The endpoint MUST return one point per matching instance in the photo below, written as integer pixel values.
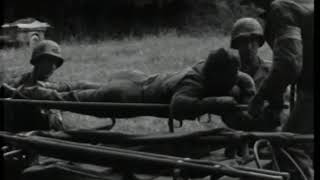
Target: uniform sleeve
(284, 37)
(64, 86)
(40, 93)
(188, 102)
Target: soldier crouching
(46, 58)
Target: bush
(118, 19)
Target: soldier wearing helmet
(46, 58)
(247, 37)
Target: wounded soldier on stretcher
(210, 86)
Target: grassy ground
(95, 61)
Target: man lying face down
(207, 87)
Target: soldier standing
(289, 32)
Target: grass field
(96, 61)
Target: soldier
(46, 58)
(212, 84)
(247, 37)
(289, 32)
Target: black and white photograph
(157, 90)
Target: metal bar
(265, 171)
(11, 154)
(98, 105)
(105, 105)
(284, 174)
(102, 156)
(273, 136)
(105, 108)
(213, 137)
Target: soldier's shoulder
(20, 79)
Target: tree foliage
(118, 18)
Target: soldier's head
(221, 69)
(247, 37)
(46, 58)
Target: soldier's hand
(225, 102)
(256, 106)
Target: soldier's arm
(64, 86)
(40, 93)
(189, 102)
(284, 37)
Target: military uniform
(26, 118)
(187, 87)
(275, 116)
(289, 31)
(188, 93)
(245, 29)
(247, 36)
(194, 97)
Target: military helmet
(47, 48)
(246, 27)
